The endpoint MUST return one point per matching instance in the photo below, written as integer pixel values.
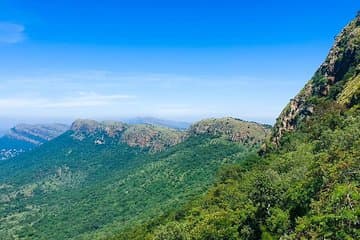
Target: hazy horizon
(6, 124)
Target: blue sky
(183, 60)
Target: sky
(179, 60)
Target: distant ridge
(24, 137)
(160, 122)
(158, 137)
(147, 136)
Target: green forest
(78, 189)
(308, 188)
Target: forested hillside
(100, 178)
(305, 184)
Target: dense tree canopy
(306, 189)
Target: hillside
(247, 133)
(305, 185)
(102, 177)
(24, 137)
(146, 136)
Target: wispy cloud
(82, 100)
(86, 99)
(95, 93)
(117, 80)
(11, 33)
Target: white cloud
(11, 33)
(87, 100)
(76, 94)
(82, 100)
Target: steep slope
(337, 79)
(24, 137)
(305, 187)
(100, 178)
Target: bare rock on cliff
(337, 79)
(147, 136)
(157, 138)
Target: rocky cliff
(156, 138)
(336, 80)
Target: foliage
(306, 189)
(77, 189)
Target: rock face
(24, 137)
(156, 138)
(147, 136)
(337, 79)
(86, 127)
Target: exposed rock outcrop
(156, 138)
(85, 127)
(147, 136)
(330, 81)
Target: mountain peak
(233, 129)
(84, 125)
(154, 138)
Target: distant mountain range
(24, 137)
(159, 122)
